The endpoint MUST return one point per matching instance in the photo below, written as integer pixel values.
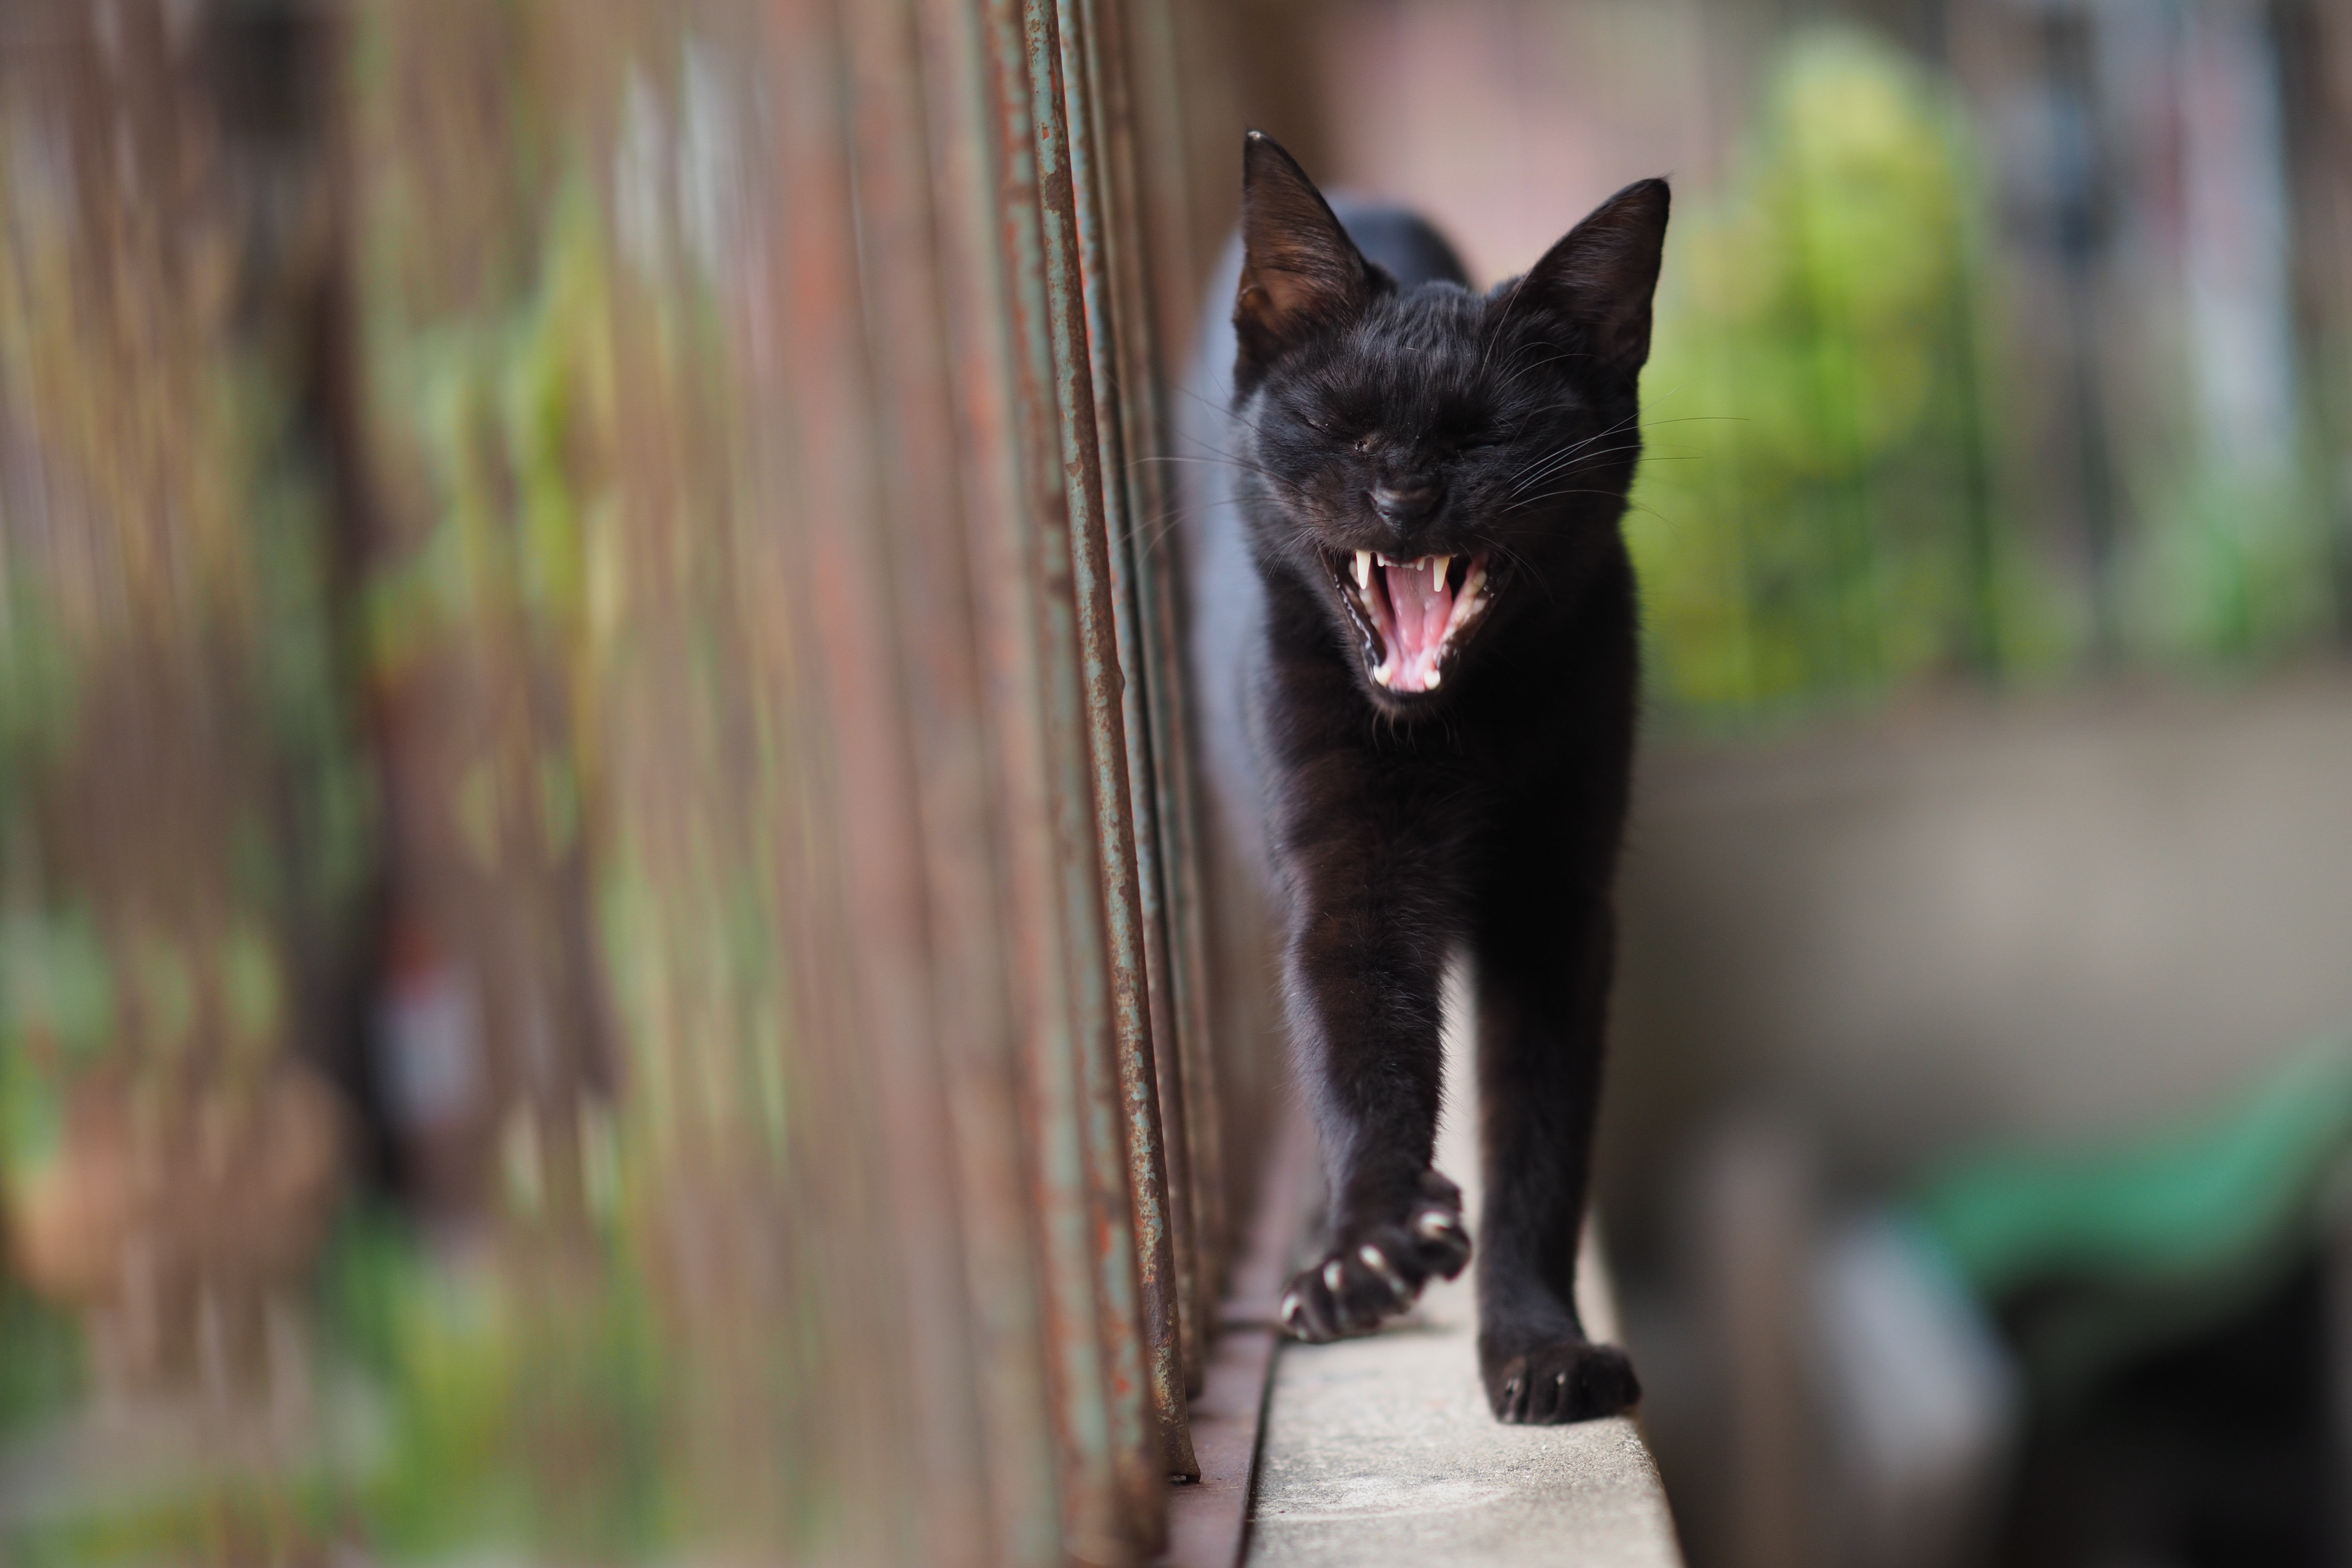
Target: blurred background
(605, 953)
(1976, 1116)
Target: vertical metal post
(1099, 855)
(1188, 1074)
(1026, 613)
(1119, 694)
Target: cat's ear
(1601, 277)
(1300, 269)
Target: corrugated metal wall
(604, 926)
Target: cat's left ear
(1601, 277)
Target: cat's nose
(1401, 506)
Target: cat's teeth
(1363, 570)
(1431, 685)
(1467, 603)
(1437, 565)
(1382, 559)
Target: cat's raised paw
(1374, 1272)
(1572, 1381)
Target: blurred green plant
(1815, 516)
(511, 1418)
(2232, 563)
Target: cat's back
(1227, 598)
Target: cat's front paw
(1375, 1271)
(1574, 1380)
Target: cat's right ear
(1301, 272)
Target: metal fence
(603, 928)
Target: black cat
(1413, 639)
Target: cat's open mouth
(1413, 615)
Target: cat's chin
(1412, 617)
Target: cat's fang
(1363, 570)
(1438, 564)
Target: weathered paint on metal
(838, 463)
(1127, 820)
(1187, 1076)
(1169, 258)
(911, 1159)
(916, 253)
(1109, 330)
(1098, 864)
(1112, 1478)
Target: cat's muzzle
(1413, 614)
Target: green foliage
(57, 1010)
(1815, 515)
(42, 1368)
(38, 688)
(2232, 566)
(2117, 1249)
(490, 401)
(507, 1421)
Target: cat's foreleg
(1543, 988)
(1364, 965)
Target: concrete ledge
(1381, 1450)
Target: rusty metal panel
(909, 159)
(842, 567)
(759, 947)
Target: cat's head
(1433, 462)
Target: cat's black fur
(1365, 398)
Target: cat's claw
(1379, 1264)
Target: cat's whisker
(1578, 446)
(1566, 471)
(1555, 495)
(1584, 450)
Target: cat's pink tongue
(1421, 600)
